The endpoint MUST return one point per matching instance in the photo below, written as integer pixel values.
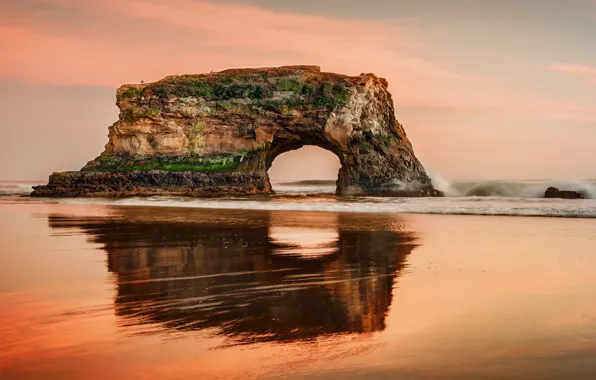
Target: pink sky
(477, 100)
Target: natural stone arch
(218, 133)
(375, 155)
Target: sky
(493, 89)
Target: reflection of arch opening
(308, 237)
(303, 162)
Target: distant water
(510, 198)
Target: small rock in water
(553, 192)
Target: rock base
(194, 184)
(157, 182)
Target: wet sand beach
(96, 292)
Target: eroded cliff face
(218, 133)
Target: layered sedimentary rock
(218, 134)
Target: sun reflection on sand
(303, 242)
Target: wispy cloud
(127, 38)
(111, 42)
(587, 73)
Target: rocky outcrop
(155, 182)
(553, 192)
(218, 133)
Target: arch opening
(304, 168)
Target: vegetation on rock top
(305, 95)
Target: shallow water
(94, 292)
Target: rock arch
(218, 133)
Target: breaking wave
(16, 188)
(511, 189)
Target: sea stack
(217, 134)
(553, 192)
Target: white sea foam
(511, 189)
(443, 185)
(16, 188)
(453, 206)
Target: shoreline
(463, 206)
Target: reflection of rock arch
(221, 271)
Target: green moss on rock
(331, 96)
(260, 90)
(131, 115)
(366, 147)
(218, 163)
(130, 92)
(210, 90)
(286, 84)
